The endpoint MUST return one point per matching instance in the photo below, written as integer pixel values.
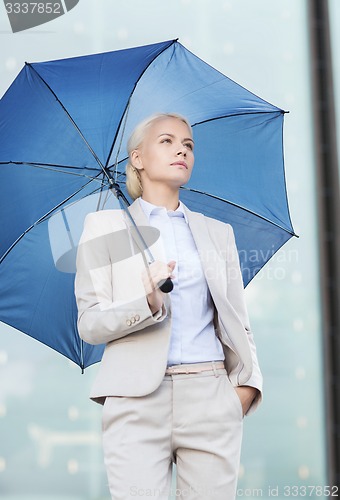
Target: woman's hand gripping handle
(154, 277)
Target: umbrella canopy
(63, 130)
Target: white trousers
(193, 420)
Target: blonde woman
(179, 370)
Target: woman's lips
(180, 163)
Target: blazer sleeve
(102, 319)
(236, 296)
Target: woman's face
(166, 154)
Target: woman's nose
(181, 151)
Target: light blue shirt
(193, 338)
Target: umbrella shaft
(125, 204)
(165, 285)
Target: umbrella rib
(282, 112)
(59, 350)
(42, 219)
(272, 255)
(71, 120)
(234, 204)
(231, 203)
(37, 164)
(241, 207)
(278, 112)
(231, 80)
(47, 167)
(128, 101)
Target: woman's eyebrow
(172, 135)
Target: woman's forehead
(169, 125)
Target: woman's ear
(136, 160)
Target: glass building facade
(50, 432)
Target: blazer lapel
(212, 263)
(138, 214)
(140, 219)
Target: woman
(179, 370)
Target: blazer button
(128, 322)
(137, 317)
(133, 320)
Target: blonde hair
(133, 177)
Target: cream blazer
(113, 309)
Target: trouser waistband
(194, 367)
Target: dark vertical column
(327, 175)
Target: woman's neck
(162, 198)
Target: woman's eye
(166, 140)
(189, 146)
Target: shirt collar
(149, 208)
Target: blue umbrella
(64, 126)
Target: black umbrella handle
(166, 285)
